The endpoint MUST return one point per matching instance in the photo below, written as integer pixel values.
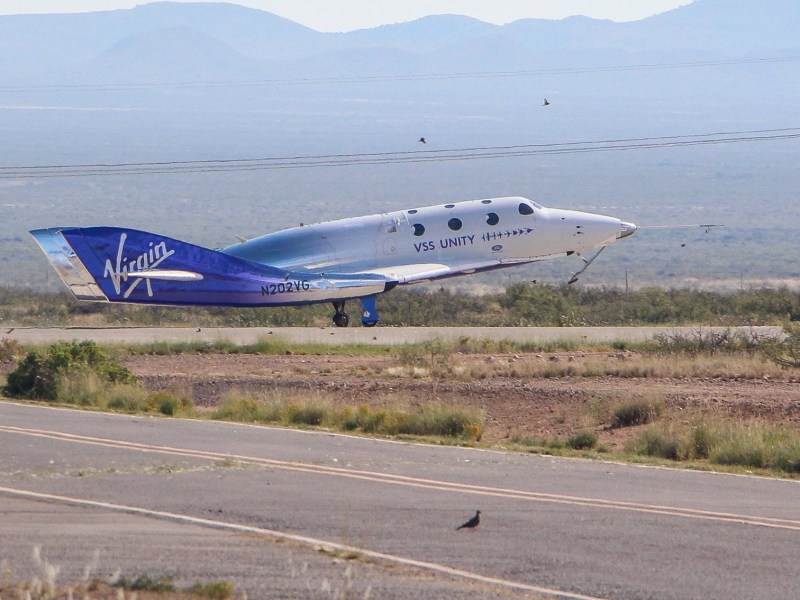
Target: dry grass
(750, 445)
(430, 420)
(43, 585)
(583, 364)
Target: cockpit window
(419, 229)
(525, 208)
(454, 224)
(492, 219)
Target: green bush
(81, 388)
(127, 398)
(215, 590)
(37, 376)
(242, 409)
(743, 455)
(306, 414)
(702, 441)
(660, 444)
(369, 420)
(168, 402)
(444, 421)
(583, 440)
(751, 446)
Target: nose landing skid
(587, 262)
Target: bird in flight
(422, 140)
(472, 523)
(546, 102)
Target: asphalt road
(254, 505)
(362, 335)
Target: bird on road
(472, 523)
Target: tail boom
(126, 265)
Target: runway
(286, 513)
(361, 335)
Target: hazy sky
(345, 15)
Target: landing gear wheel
(340, 318)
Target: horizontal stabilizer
(169, 275)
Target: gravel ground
(513, 402)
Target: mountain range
(167, 41)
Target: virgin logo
(126, 268)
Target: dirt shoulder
(534, 395)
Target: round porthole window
(454, 224)
(419, 230)
(492, 219)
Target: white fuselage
(463, 237)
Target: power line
(385, 158)
(113, 87)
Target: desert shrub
(10, 349)
(754, 446)
(758, 446)
(786, 459)
(146, 583)
(528, 441)
(168, 402)
(306, 414)
(656, 443)
(434, 355)
(38, 374)
(126, 398)
(82, 388)
(701, 442)
(428, 421)
(370, 420)
(785, 351)
(439, 420)
(583, 440)
(214, 590)
(243, 409)
(162, 348)
(638, 412)
(740, 453)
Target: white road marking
(315, 543)
(417, 482)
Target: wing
(418, 272)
